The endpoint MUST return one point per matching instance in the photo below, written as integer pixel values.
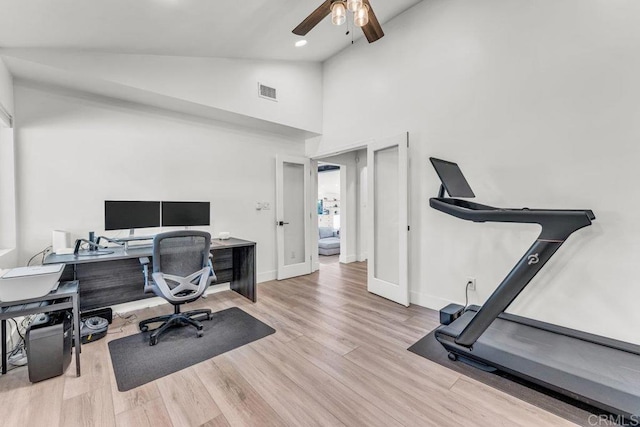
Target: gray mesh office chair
(181, 274)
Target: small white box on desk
(29, 282)
(61, 242)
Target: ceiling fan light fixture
(361, 16)
(364, 17)
(354, 5)
(338, 13)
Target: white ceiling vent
(267, 92)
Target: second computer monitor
(185, 214)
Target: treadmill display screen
(452, 178)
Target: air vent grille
(267, 92)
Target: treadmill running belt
(596, 374)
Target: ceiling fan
(362, 13)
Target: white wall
(226, 84)
(7, 190)
(538, 103)
(6, 88)
(74, 153)
(8, 253)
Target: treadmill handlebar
(557, 224)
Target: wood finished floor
(328, 259)
(338, 358)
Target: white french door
(293, 219)
(387, 164)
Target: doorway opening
(328, 213)
(374, 223)
(341, 208)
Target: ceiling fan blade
(312, 20)
(372, 31)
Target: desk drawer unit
(108, 283)
(116, 278)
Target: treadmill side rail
(557, 226)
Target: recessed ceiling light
(301, 43)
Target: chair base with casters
(182, 271)
(176, 319)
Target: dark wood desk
(63, 298)
(115, 278)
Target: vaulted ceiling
(259, 29)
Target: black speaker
(450, 313)
(48, 342)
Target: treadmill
(599, 371)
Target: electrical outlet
(259, 206)
(471, 283)
(266, 206)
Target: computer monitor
(176, 214)
(125, 214)
(452, 178)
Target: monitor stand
(96, 252)
(132, 238)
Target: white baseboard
(361, 257)
(429, 301)
(267, 276)
(315, 267)
(155, 301)
(350, 259)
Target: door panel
(388, 214)
(386, 262)
(292, 216)
(293, 212)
